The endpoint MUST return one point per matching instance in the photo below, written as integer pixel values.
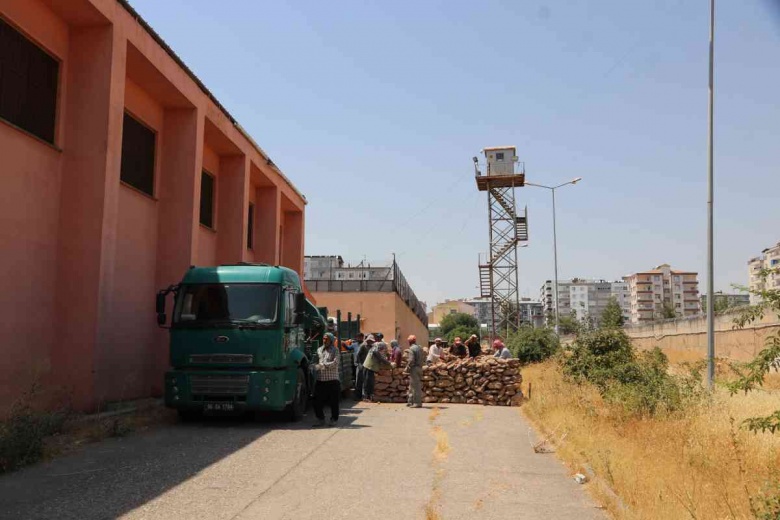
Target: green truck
(242, 339)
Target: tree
(568, 325)
(531, 345)
(458, 324)
(752, 374)
(612, 315)
(666, 312)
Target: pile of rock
(484, 380)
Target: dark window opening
(500, 156)
(207, 199)
(28, 84)
(138, 144)
(250, 226)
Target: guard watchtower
(498, 273)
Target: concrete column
(232, 207)
(93, 103)
(181, 160)
(292, 241)
(267, 220)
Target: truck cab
(238, 340)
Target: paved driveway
(384, 462)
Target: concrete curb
(591, 474)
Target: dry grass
(699, 465)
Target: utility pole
(710, 203)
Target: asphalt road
(383, 462)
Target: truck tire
(188, 416)
(296, 409)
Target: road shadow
(113, 477)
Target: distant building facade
(447, 307)
(379, 294)
(531, 313)
(769, 259)
(583, 298)
(663, 288)
(723, 300)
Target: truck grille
(208, 385)
(245, 359)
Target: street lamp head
(575, 181)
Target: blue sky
(375, 108)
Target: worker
(414, 369)
(396, 354)
(458, 349)
(434, 352)
(501, 351)
(375, 361)
(328, 386)
(475, 349)
(360, 358)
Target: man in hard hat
(434, 352)
(501, 351)
(414, 369)
(328, 386)
(360, 358)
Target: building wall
(769, 259)
(84, 253)
(381, 312)
(687, 337)
(450, 307)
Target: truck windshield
(240, 304)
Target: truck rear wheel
(189, 415)
(296, 409)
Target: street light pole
(555, 240)
(710, 203)
(555, 261)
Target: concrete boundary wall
(690, 335)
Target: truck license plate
(219, 407)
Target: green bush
(531, 345)
(637, 382)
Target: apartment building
(447, 307)
(724, 300)
(662, 292)
(769, 259)
(583, 298)
(622, 295)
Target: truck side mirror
(300, 308)
(160, 306)
(300, 302)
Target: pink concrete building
(119, 170)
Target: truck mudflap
(225, 392)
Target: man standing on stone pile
(376, 360)
(501, 351)
(360, 358)
(459, 349)
(414, 369)
(397, 354)
(434, 352)
(475, 349)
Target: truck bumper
(230, 391)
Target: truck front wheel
(296, 409)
